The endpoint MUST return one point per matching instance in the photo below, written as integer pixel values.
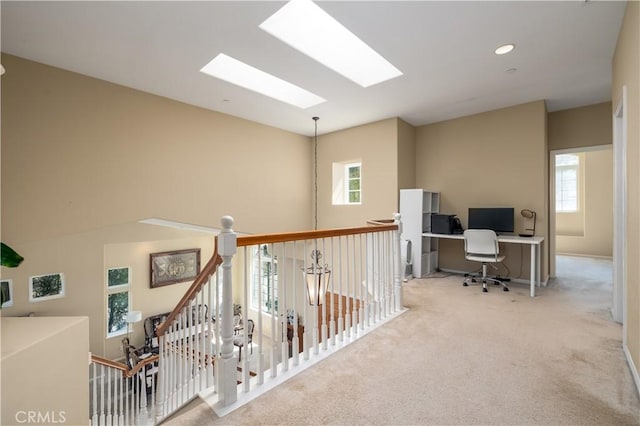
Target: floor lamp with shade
(133, 317)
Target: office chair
(481, 245)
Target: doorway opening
(582, 216)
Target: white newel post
(397, 276)
(227, 369)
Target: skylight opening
(306, 27)
(236, 72)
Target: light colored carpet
(461, 357)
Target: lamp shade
(134, 316)
(316, 279)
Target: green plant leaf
(10, 259)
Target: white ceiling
(445, 50)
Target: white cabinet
(416, 208)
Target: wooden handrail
(109, 363)
(126, 371)
(377, 222)
(202, 278)
(139, 366)
(250, 240)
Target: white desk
(534, 242)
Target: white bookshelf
(416, 208)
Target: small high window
(347, 183)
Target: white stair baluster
(246, 383)
(94, 386)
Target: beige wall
(90, 153)
(626, 72)
(80, 155)
(149, 301)
(494, 159)
(588, 126)
(84, 258)
(376, 145)
(580, 127)
(406, 156)
(590, 232)
(45, 371)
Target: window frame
(258, 282)
(348, 180)
(113, 289)
(341, 181)
(560, 170)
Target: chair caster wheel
(484, 290)
(505, 289)
(465, 284)
(473, 280)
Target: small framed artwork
(6, 293)
(173, 267)
(118, 277)
(46, 287)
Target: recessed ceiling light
(306, 27)
(236, 72)
(505, 49)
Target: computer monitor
(499, 219)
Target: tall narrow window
(347, 183)
(567, 169)
(118, 286)
(264, 291)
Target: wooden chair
(238, 341)
(147, 375)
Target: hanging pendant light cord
(315, 175)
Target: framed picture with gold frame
(172, 267)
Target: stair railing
(363, 291)
(119, 395)
(199, 348)
(187, 342)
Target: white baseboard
(632, 367)
(595, 256)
